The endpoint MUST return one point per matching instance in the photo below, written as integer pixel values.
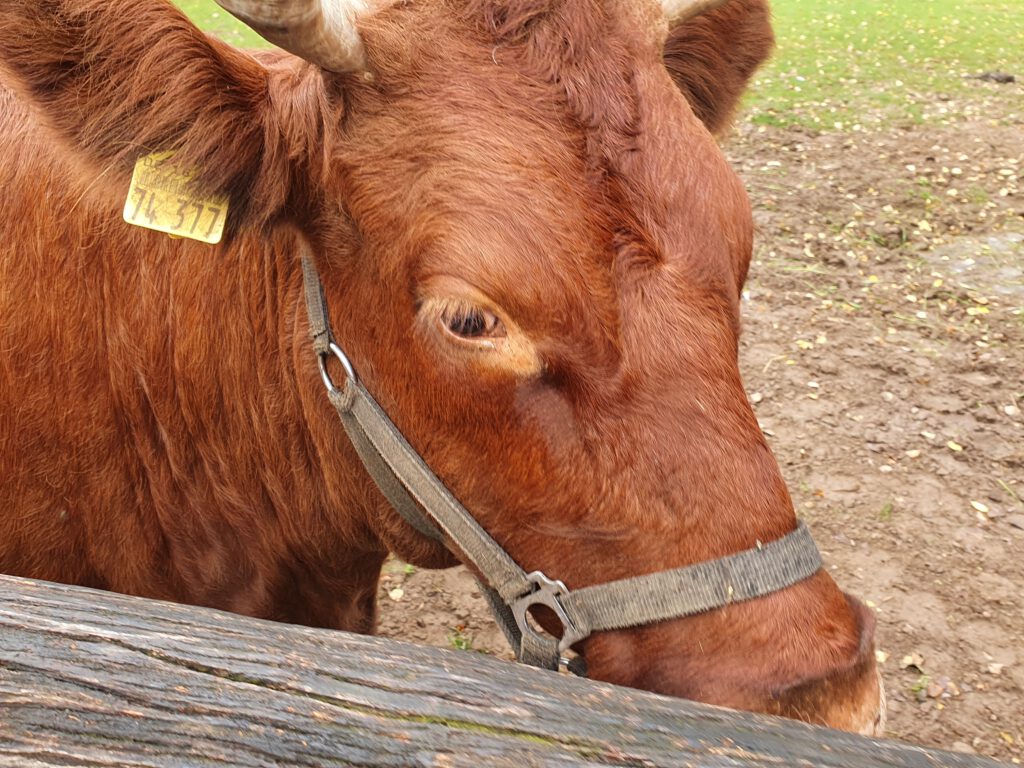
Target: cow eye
(474, 331)
(469, 322)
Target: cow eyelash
(470, 322)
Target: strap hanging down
(406, 481)
(425, 503)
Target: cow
(532, 250)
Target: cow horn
(678, 11)
(323, 32)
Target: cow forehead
(583, 56)
(525, 228)
(536, 144)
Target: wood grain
(91, 678)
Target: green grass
(843, 63)
(209, 16)
(459, 640)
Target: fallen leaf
(913, 661)
(953, 445)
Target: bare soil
(884, 353)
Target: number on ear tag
(161, 197)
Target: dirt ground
(884, 353)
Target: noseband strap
(427, 505)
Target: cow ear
(711, 57)
(117, 80)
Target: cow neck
(420, 497)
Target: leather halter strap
(427, 505)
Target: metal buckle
(321, 359)
(547, 592)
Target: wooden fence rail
(92, 678)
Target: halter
(427, 505)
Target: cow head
(539, 275)
(533, 251)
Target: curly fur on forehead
(583, 47)
(589, 52)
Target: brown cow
(532, 249)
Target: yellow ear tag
(161, 197)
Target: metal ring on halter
(334, 349)
(548, 592)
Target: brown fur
(163, 431)
(713, 76)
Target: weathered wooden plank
(93, 678)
